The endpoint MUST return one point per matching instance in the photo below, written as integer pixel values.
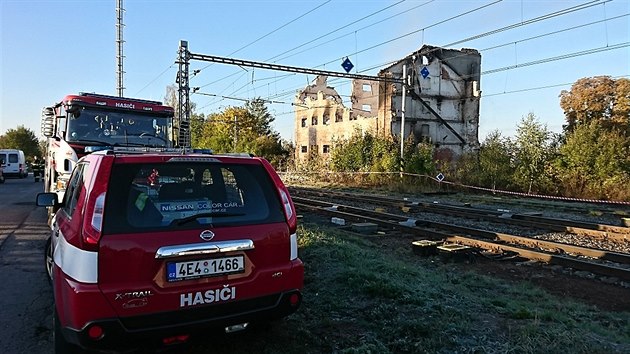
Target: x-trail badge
(207, 235)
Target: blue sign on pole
(424, 72)
(347, 65)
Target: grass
(363, 297)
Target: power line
(355, 31)
(432, 25)
(527, 22)
(342, 27)
(325, 35)
(559, 57)
(157, 77)
(274, 31)
(540, 87)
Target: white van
(14, 163)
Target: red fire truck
(87, 122)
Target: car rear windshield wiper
(188, 219)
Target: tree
(595, 162)
(532, 150)
(243, 129)
(495, 157)
(601, 99)
(23, 139)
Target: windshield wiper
(88, 141)
(131, 143)
(188, 219)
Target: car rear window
(180, 195)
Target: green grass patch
(362, 297)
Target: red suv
(149, 248)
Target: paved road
(25, 295)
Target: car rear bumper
(130, 332)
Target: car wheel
(62, 346)
(48, 259)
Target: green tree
(418, 158)
(197, 122)
(353, 154)
(532, 152)
(495, 157)
(23, 139)
(601, 99)
(243, 129)
(595, 162)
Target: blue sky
(50, 48)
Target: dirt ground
(610, 297)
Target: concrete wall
(321, 118)
(450, 87)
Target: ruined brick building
(441, 105)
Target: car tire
(48, 259)
(62, 346)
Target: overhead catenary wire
(540, 18)
(432, 25)
(530, 21)
(275, 30)
(331, 32)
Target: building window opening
(367, 88)
(314, 121)
(326, 119)
(304, 149)
(326, 149)
(303, 122)
(338, 117)
(366, 108)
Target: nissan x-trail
(151, 248)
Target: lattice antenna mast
(119, 44)
(183, 89)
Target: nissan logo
(207, 235)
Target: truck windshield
(92, 125)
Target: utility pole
(402, 117)
(119, 46)
(183, 60)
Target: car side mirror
(47, 199)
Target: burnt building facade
(441, 105)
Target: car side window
(73, 189)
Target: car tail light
(94, 214)
(96, 332)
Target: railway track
(527, 220)
(612, 209)
(596, 261)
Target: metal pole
(183, 139)
(402, 117)
(119, 46)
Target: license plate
(176, 271)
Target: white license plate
(176, 271)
